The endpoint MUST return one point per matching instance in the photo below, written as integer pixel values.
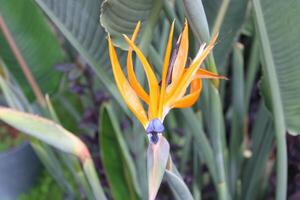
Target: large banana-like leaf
(280, 45)
(78, 21)
(36, 42)
(120, 17)
(232, 22)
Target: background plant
(228, 146)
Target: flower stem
(33, 84)
(276, 102)
(220, 17)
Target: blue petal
(156, 126)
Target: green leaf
(157, 157)
(216, 129)
(36, 42)
(121, 16)
(92, 177)
(280, 44)
(238, 120)
(56, 136)
(44, 130)
(197, 18)
(232, 23)
(199, 136)
(16, 99)
(179, 188)
(116, 159)
(78, 21)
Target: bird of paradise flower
(171, 91)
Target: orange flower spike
(196, 86)
(170, 95)
(130, 71)
(187, 77)
(152, 81)
(124, 87)
(165, 71)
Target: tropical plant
(227, 145)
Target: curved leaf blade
(45, 130)
(281, 53)
(56, 136)
(178, 187)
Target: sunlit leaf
(45, 130)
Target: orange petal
(165, 71)
(124, 87)
(130, 71)
(181, 58)
(202, 73)
(187, 77)
(152, 81)
(190, 99)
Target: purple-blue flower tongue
(155, 126)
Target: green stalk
(216, 128)
(202, 141)
(92, 177)
(71, 162)
(220, 16)
(216, 29)
(253, 65)
(276, 101)
(171, 15)
(238, 118)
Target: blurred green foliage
(9, 138)
(36, 42)
(46, 188)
